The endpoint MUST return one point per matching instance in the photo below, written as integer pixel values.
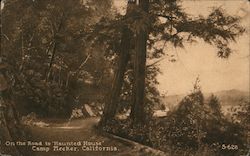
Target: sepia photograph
(125, 78)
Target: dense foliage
(195, 127)
(62, 54)
(195, 124)
(44, 44)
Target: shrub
(193, 128)
(124, 128)
(194, 125)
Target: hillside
(226, 97)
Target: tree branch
(166, 16)
(82, 64)
(6, 36)
(152, 64)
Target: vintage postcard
(125, 78)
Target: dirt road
(59, 134)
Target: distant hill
(227, 97)
(232, 97)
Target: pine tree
(166, 21)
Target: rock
(89, 110)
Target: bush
(124, 128)
(195, 124)
(194, 128)
(44, 99)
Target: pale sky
(200, 59)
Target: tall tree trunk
(112, 100)
(51, 60)
(138, 106)
(55, 32)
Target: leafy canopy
(167, 21)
